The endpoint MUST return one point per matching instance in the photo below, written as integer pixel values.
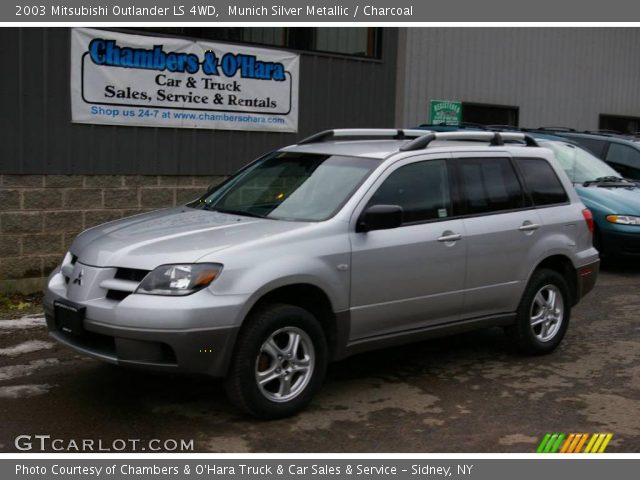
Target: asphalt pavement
(468, 393)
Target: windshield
(579, 164)
(290, 186)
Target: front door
(412, 276)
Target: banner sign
(446, 112)
(121, 79)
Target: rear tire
(279, 362)
(543, 314)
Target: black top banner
(318, 11)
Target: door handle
(528, 227)
(449, 237)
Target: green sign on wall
(445, 111)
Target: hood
(618, 200)
(176, 235)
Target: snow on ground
(29, 321)
(25, 347)
(11, 372)
(23, 391)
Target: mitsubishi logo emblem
(78, 279)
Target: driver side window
(421, 189)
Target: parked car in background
(351, 240)
(613, 201)
(621, 152)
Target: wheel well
(312, 299)
(564, 267)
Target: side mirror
(380, 217)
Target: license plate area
(69, 317)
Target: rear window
(623, 155)
(594, 146)
(541, 181)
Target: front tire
(279, 362)
(543, 314)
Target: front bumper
(200, 351)
(622, 244)
(191, 334)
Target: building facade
(582, 78)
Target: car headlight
(623, 219)
(182, 279)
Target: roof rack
(355, 133)
(461, 125)
(556, 129)
(602, 131)
(495, 139)
(504, 127)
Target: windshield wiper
(607, 179)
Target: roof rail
(495, 139)
(607, 133)
(460, 125)
(353, 133)
(556, 129)
(504, 127)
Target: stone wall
(41, 214)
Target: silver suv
(349, 241)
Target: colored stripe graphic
(543, 443)
(574, 443)
(559, 441)
(591, 442)
(567, 444)
(549, 446)
(583, 439)
(605, 442)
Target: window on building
(484, 114)
(617, 123)
(361, 42)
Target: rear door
(501, 228)
(412, 276)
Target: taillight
(588, 217)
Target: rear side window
(594, 146)
(542, 182)
(623, 155)
(489, 185)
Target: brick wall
(41, 214)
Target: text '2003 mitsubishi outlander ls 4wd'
(348, 241)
